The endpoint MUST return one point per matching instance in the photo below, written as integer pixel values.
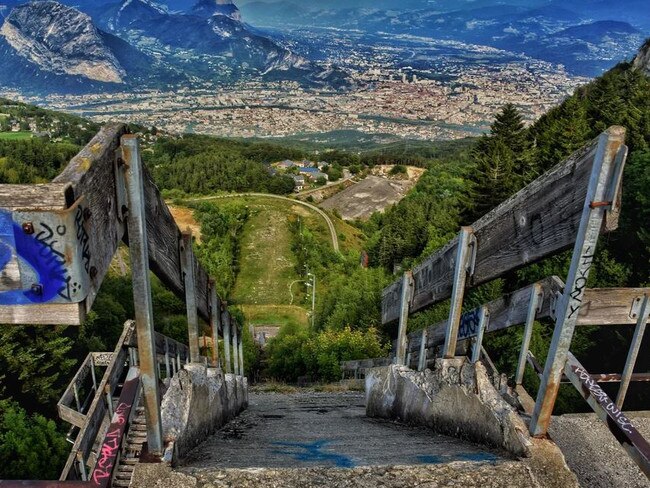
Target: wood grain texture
(538, 221)
(91, 181)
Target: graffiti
(109, 450)
(41, 254)
(469, 323)
(313, 452)
(580, 282)
(107, 456)
(477, 457)
(118, 416)
(83, 238)
(603, 399)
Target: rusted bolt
(120, 161)
(28, 228)
(93, 272)
(87, 213)
(37, 288)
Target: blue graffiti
(464, 456)
(39, 253)
(312, 452)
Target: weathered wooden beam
(76, 222)
(539, 220)
(602, 306)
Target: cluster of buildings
(302, 172)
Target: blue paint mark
(38, 252)
(479, 457)
(312, 452)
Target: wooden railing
(568, 206)
(57, 241)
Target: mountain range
(587, 36)
(49, 46)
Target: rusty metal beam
(138, 248)
(619, 425)
(407, 286)
(603, 174)
(188, 265)
(633, 352)
(463, 256)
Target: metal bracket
(616, 178)
(540, 302)
(635, 308)
(119, 169)
(472, 246)
(556, 301)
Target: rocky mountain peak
(62, 40)
(642, 60)
(208, 8)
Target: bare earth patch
(184, 218)
(373, 194)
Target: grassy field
(275, 314)
(266, 263)
(15, 135)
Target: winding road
(330, 224)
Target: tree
(502, 161)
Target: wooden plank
(602, 306)
(90, 174)
(43, 314)
(90, 182)
(538, 221)
(609, 306)
(44, 196)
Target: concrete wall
(198, 401)
(456, 398)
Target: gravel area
(593, 453)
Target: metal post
(92, 372)
(458, 292)
(109, 401)
(584, 249)
(187, 263)
(225, 321)
(215, 316)
(632, 354)
(76, 396)
(82, 466)
(235, 349)
(139, 252)
(167, 358)
(241, 354)
(482, 325)
(422, 360)
(313, 300)
(178, 359)
(400, 356)
(533, 305)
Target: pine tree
(502, 161)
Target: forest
(464, 179)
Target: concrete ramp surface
(325, 429)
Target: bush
(30, 447)
(398, 169)
(294, 352)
